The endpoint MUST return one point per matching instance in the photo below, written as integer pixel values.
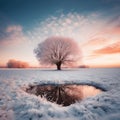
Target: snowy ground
(15, 104)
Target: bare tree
(57, 50)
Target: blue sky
(25, 23)
(27, 12)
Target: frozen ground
(15, 104)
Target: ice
(16, 104)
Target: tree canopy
(58, 51)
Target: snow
(16, 104)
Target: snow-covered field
(16, 104)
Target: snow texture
(16, 104)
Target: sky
(93, 24)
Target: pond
(65, 94)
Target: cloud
(110, 49)
(113, 31)
(12, 35)
(15, 44)
(73, 25)
(17, 64)
(99, 52)
(81, 28)
(14, 29)
(112, 26)
(95, 43)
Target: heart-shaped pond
(64, 95)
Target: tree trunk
(58, 66)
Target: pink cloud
(14, 29)
(111, 29)
(115, 31)
(96, 42)
(101, 52)
(13, 35)
(110, 49)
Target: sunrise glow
(97, 35)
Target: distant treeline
(16, 64)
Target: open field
(16, 104)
